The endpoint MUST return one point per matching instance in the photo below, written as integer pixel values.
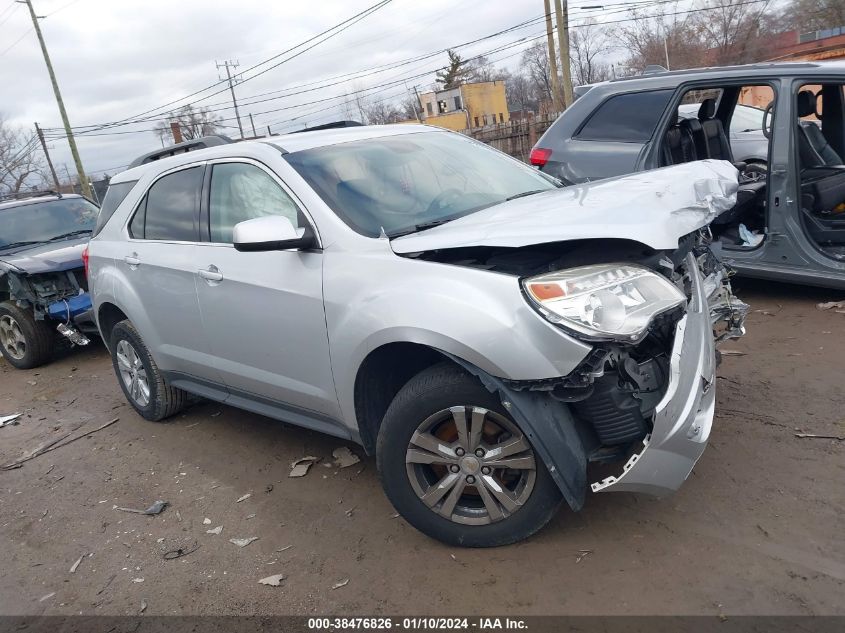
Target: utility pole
(228, 65)
(550, 39)
(269, 133)
(47, 155)
(562, 14)
(419, 103)
(176, 131)
(83, 181)
(252, 123)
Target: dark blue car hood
(47, 258)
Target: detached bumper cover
(684, 416)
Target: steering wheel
(767, 123)
(444, 199)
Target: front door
(263, 311)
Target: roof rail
(17, 195)
(653, 69)
(330, 126)
(181, 148)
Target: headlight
(603, 301)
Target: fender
(551, 429)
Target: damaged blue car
(43, 286)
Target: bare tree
(588, 43)
(535, 64)
(649, 38)
(382, 112)
(193, 122)
(812, 15)
(21, 164)
(519, 91)
(733, 29)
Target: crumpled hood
(46, 258)
(655, 208)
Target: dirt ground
(757, 529)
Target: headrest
(707, 109)
(806, 103)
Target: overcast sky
(118, 58)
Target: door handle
(132, 260)
(211, 274)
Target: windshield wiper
(64, 236)
(525, 193)
(18, 244)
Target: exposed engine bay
(617, 387)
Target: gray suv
(789, 222)
(487, 334)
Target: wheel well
(108, 316)
(382, 374)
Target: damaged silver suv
(485, 332)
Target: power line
(8, 13)
(16, 42)
(337, 28)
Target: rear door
(263, 311)
(158, 263)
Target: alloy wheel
(11, 337)
(133, 373)
(471, 465)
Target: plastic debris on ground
(344, 458)
(137, 580)
(340, 583)
(243, 542)
(244, 497)
(75, 566)
(840, 438)
(157, 508)
(749, 238)
(299, 468)
(216, 530)
(829, 305)
(206, 521)
(731, 352)
(9, 419)
(582, 554)
(273, 581)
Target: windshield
(747, 119)
(43, 221)
(413, 181)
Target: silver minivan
(489, 335)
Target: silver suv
(486, 333)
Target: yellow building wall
(486, 98)
(455, 121)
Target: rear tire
(140, 378)
(429, 412)
(24, 341)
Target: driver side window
(239, 192)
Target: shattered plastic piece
(47, 597)
(9, 419)
(72, 334)
(143, 607)
(582, 554)
(244, 497)
(340, 583)
(137, 580)
(75, 566)
(284, 549)
(731, 352)
(840, 438)
(243, 542)
(830, 305)
(216, 530)
(749, 238)
(157, 508)
(299, 468)
(206, 521)
(343, 457)
(273, 581)
(250, 516)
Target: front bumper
(684, 416)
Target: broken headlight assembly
(601, 302)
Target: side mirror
(270, 233)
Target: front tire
(456, 465)
(140, 378)
(24, 341)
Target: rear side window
(114, 196)
(626, 118)
(170, 209)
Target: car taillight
(540, 156)
(85, 260)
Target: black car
(789, 220)
(43, 286)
